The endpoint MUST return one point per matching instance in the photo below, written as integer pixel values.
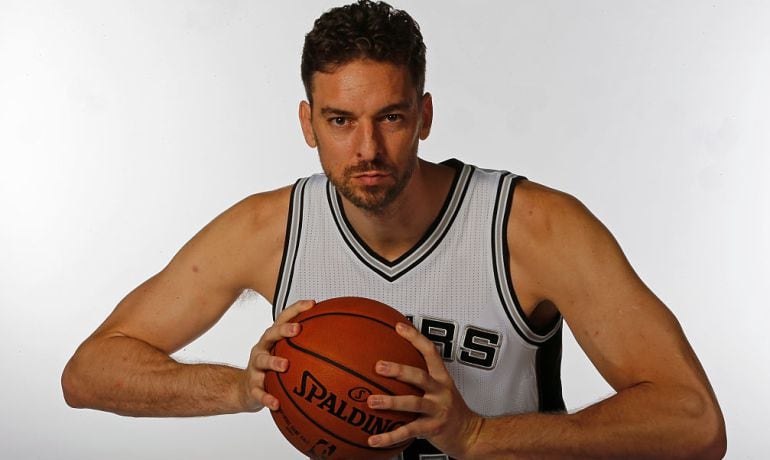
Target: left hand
(445, 419)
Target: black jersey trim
(434, 235)
(286, 237)
(501, 264)
(548, 374)
(422, 449)
(425, 236)
(290, 246)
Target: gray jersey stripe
(505, 285)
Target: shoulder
(246, 240)
(263, 208)
(545, 214)
(555, 238)
(254, 215)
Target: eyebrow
(398, 106)
(334, 111)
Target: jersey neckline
(392, 270)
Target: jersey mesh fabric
(448, 281)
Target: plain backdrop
(125, 126)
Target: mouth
(371, 177)
(371, 174)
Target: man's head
(363, 66)
(363, 30)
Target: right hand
(253, 394)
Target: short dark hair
(363, 30)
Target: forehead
(362, 84)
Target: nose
(369, 142)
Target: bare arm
(664, 406)
(124, 366)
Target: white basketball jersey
(454, 285)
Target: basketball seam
(357, 315)
(339, 366)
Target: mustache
(368, 166)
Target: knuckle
(396, 370)
(421, 404)
(261, 360)
(433, 429)
(422, 379)
(430, 349)
(284, 316)
(442, 417)
(256, 377)
(256, 349)
(408, 431)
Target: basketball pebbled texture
(323, 410)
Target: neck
(394, 230)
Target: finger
(294, 309)
(408, 403)
(424, 346)
(275, 333)
(266, 362)
(256, 396)
(282, 327)
(270, 401)
(264, 398)
(399, 435)
(407, 374)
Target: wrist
(474, 434)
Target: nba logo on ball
(331, 374)
(322, 449)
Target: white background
(126, 126)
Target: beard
(372, 198)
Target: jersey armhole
(290, 246)
(501, 263)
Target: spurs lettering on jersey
(475, 346)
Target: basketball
(323, 410)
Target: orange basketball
(331, 373)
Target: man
(486, 274)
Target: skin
(366, 122)
(664, 406)
(369, 113)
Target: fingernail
(375, 401)
(294, 328)
(401, 327)
(283, 365)
(382, 366)
(374, 441)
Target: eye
(393, 117)
(338, 121)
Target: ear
(305, 120)
(427, 115)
